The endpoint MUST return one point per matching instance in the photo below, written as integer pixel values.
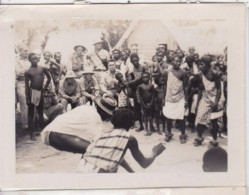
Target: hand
(52, 60)
(158, 149)
(92, 97)
(215, 107)
(186, 105)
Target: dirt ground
(36, 157)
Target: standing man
(134, 80)
(34, 78)
(208, 99)
(57, 70)
(78, 60)
(22, 65)
(176, 99)
(99, 60)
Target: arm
(218, 86)
(138, 155)
(27, 79)
(48, 78)
(62, 91)
(131, 81)
(185, 88)
(199, 91)
(140, 96)
(153, 96)
(126, 166)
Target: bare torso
(146, 92)
(36, 76)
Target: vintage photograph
(121, 96)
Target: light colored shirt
(22, 65)
(83, 121)
(95, 59)
(109, 80)
(88, 87)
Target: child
(160, 93)
(107, 152)
(34, 78)
(123, 100)
(146, 95)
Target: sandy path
(36, 157)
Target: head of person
(79, 49)
(70, 77)
(154, 60)
(32, 57)
(123, 118)
(191, 51)
(47, 55)
(145, 77)
(116, 54)
(111, 65)
(105, 106)
(205, 63)
(160, 81)
(196, 57)
(38, 54)
(215, 160)
(88, 75)
(176, 62)
(127, 51)
(57, 57)
(169, 55)
(98, 45)
(179, 53)
(134, 60)
(162, 48)
(119, 76)
(160, 56)
(134, 48)
(23, 51)
(189, 60)
(123, 56)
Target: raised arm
(138, 155)
(48, 77)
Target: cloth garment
(35, 97)
(83, 121)
(122, 100)
(87, 167)
(107, 151)
(194, 104)
(207, 101)
(174, 100)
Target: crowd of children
(174, 88)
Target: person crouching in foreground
(107, 152)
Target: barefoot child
(34, 78)
(159, 102)
(176, 99)
(146, 95)
(123, 100)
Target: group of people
(173, 87)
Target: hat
(75, 47)
(87, 72)
(70, 74)
(98, 41)
(107, 103)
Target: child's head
(176, 62)
(160, 81)
(123, 118)
(145, 77)
(119, 76)
(215, 160)
(205, 63)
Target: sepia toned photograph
(147, 97)
(107, 94)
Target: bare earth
(36, 157)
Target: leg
(40, 113)
(31, 118)
(20, 90)
(68, 143)
(198, 141)
(158, 122)
(53, 111)
(169, 135)
(137, 109)
(183, 137)
(163, 120)
(75, 104)
(214, 132)
(64, 102)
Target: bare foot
(148, 133)
(140, 129)
(159, 132)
